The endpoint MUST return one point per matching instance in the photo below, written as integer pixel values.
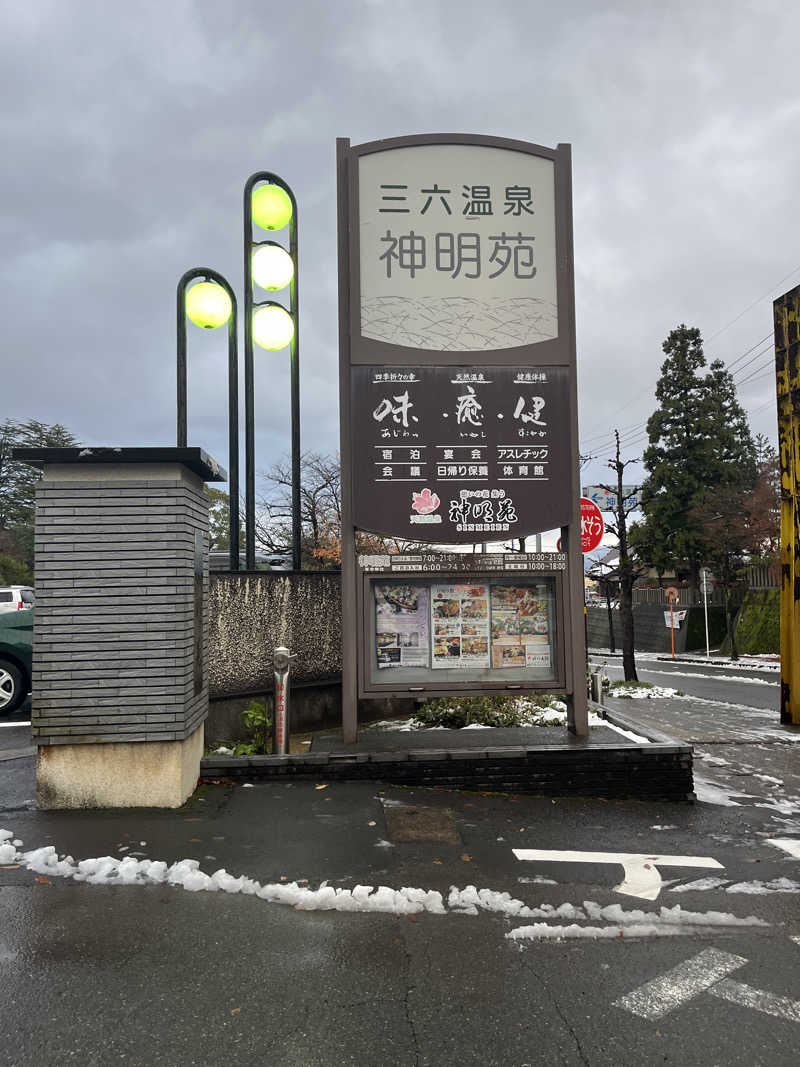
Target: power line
(768, 337)
(752, 359)
(754, 371)
(751, 379)
(708, 341)
(751, 306)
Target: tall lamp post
(270, 203)
(211, 303)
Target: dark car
(16, 641)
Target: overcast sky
(128, 131)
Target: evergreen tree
(18, 482)
(699, 441)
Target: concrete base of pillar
(148, 774)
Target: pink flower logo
(425, 502)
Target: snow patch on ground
(531, 715)
(627, 733)
(712, 793)
(699, 884)
(622, 692)
(667, 922)
(186, 874)
(777, 885)
(788, 844)
(717, 761)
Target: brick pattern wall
(646, 772)
(113, 640)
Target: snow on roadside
(624, 692)
(186, 874)
(627, 733)
(709, 792)
(697, 674)
(666, 922)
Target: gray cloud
(128, 132)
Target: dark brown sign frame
(355, 350)
(428, 686)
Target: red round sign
(592, 526)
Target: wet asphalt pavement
(723, 684)
(144, 974)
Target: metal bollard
(597, 687)
(280, 717)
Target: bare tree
(320, 513)
(627, 570)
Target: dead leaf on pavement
(465, 857)
(320, 787)
(42, 880)
(438, 863)
(235, 1011)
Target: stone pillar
(120, 679)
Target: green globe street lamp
(270, 204)
(210, 304)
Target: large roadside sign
(459, 359)
(457, 389)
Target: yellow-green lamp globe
(208, 305)
(273, 327)
(273, 267)
(271, 206)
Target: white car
(16, 597)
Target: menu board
(401, 625)
(520, 626)
(485, 625)
(460, 624)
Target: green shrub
(258, 725)
(456, 712)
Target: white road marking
(747, 997)
(642, 878)
(10, 725)
(669, 991)
(698, 674)
(788, 844)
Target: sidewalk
(743, 756)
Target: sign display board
(434, 630)
(608, 501)
(458, 247)
(592, 526)
(447, 455)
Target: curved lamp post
(270, 204)
(210, 304)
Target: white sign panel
(607, 501)
(458, 249)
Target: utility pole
(625, 568)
